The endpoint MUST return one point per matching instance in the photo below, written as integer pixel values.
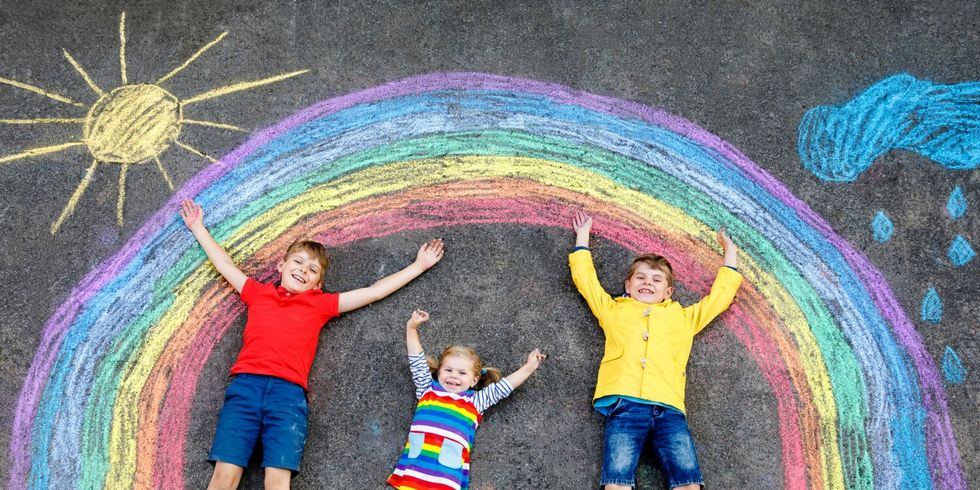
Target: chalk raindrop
(882, 227)
(932, 307)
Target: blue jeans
(266, 406)
(630, 425)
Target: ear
(279, 265)
(669, 292)
(626, 287)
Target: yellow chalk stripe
(394, 177)
(81, 71)
(44, 150)
(122, 193)
(195, 151)
(192, 58)
(44, 120)
(122, 47)
(39, 90)
(73, 201)
(163, 171)
(212, 124)
(218, 92)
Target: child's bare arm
(582, 224)
(534, 359)
(429, 254)
(193, 217)
(729, 248)
(412, 341)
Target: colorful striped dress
(437, 454)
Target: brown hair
(315, 249)
(488, 375)
(656, 262)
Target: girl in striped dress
(450, 408)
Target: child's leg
(225, 477)
(627, 426)
(284, 425)
(277, 478)
(675, 447)
(238, 428)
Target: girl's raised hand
(535, 358)
(429, 253)
(418, 317)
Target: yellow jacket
(651, 369)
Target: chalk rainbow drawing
(129, 125)
(859, 400)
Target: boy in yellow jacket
(641, 382)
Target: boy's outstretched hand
(429, 253)
(191, 213)
(582, 224)
(729, 248)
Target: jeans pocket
(415, 441)
(451, 454)
(615, 406)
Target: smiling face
(300, 272)
(648, 285)
(457, 373)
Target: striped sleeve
(421, 375)
(492, 394)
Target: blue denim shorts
(630, 425)
(266, 406)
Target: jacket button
(646, 336)
(646, 312)
(643, 362)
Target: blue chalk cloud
(940, 122)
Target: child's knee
(225, 477)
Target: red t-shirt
(282, 330)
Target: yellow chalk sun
(129, 125)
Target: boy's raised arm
(193, 217)
(429, 254)
(582, 224)
(729, 248)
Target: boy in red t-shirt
(267, 398)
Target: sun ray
(45, 120)
(166, 176)
(122, 47)
(211, 124)
(39, 90)
(123, 170)
(218, 92)
(73, 201)
(195, 151)
(81, 71)
(44, 150)
(193, 57)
